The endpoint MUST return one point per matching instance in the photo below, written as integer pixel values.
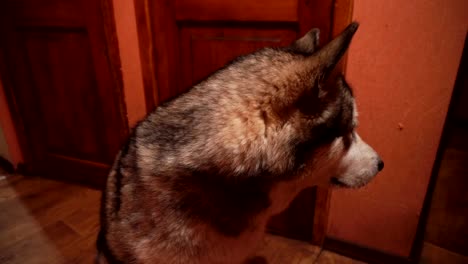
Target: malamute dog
(201, 175)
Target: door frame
(113, 58)
(341, 16)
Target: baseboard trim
(362, 253)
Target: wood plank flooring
(48, 222)
(44, 221)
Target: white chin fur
(358, 166)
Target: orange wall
(403, 63)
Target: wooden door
(63, 85)
(183, 41)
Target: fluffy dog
(200, 176)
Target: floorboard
(49, 222)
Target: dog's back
(162, 204)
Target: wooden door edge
(341, 18)
(113, 59)
(342, 15)
(146, 45)
(321, 211)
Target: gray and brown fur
(200, 176)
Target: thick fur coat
(200, 176)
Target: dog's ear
(308, 43)
(330, 54)
(315, 68)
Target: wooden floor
(44, 221)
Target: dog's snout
(380, 165)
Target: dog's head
(294, 115)
(281, 112)
(356, 163)
(328, 110)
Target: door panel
(67, 97)
(183, 41)
(50, 56)
(214, 32)
(235, 10)
(204, 50)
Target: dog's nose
(380, 165)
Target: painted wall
(402, 63)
